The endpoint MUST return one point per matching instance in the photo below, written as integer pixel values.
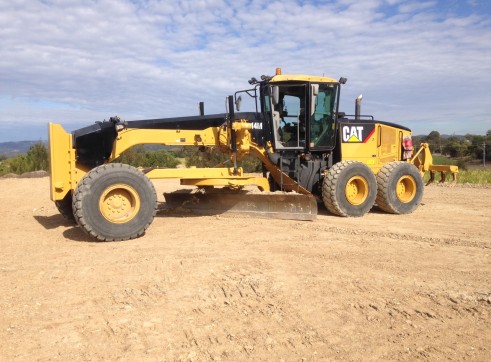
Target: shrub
(212, 157)
(138, 157)
(160, 158)
(209, 157)
(35, 159)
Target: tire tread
(384, 191)
(331, 184)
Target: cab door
(289, 117)
(322, 132)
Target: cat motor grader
(309, 151)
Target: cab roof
(302, 77)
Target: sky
(422, 64)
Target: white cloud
(151, 58)
(411, 7)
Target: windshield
(298, 119)
(322, 121)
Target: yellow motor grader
(310, 152)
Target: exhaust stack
(358, 106)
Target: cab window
(289, 117)
(322, 120)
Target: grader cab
(311, 153)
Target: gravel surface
(222, 288)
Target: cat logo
(352, 133)
(357, 133)
(257, 125)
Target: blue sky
(423, 64)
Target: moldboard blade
(275, 205)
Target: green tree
(251, 164)
(19, 164)
(456, 147)
(183, 152)
(35, 159)
(137, 156)
(160, 158)
(213, 157)
(434, 140)
(476, 148)
(208, 157)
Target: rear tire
(399, 188)
(64, 206)
(349, 189)
(114, 202)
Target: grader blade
(277, 205)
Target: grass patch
(474, 177)
(442, 160)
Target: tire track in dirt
(377, 235)
(270, 323)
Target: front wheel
(114, 202)
(400, 188)
(349, 189)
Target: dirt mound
(10, 175)
(32, 174)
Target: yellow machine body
(350, 164)
(66, 172)
(382, 146)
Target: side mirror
(274, 93)
(238, 101)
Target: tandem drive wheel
(400, 188)
(114, 202)
(349, 189)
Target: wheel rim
(356, 190)
(406, 189)
(119, 203)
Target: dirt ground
(221, 288)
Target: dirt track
(381, 287)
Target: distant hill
(12, 149)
